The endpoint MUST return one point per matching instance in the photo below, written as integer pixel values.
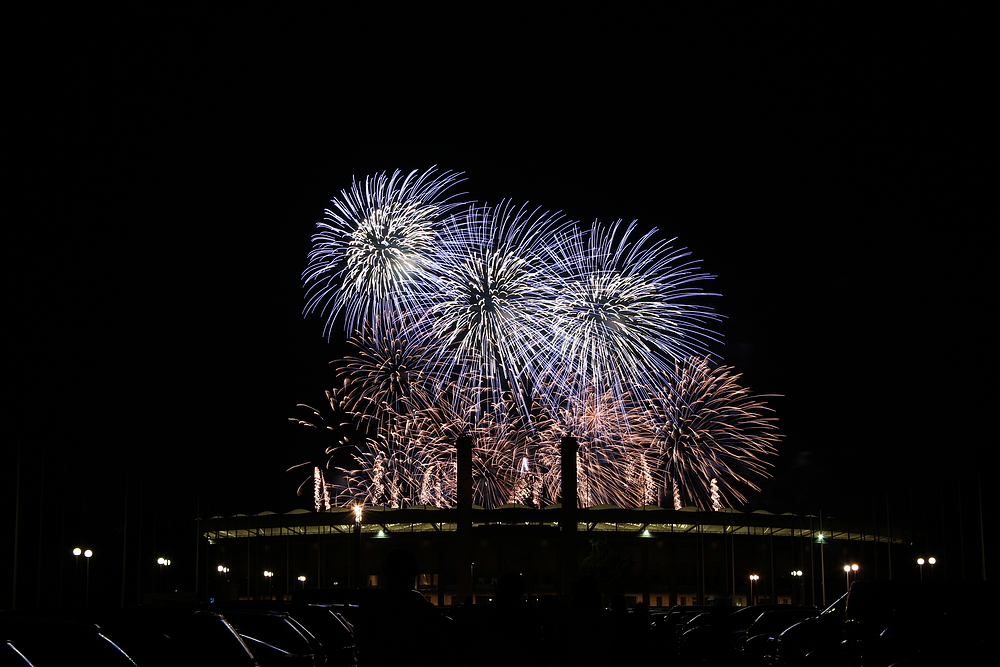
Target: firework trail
(514, 326)
(406, 463)
(318, 476)
(412, 460)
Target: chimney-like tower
(463, 532)
(464, 491)
(567, 524)
(567, 462)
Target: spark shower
(517, 326)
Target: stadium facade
(653, 555)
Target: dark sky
(826, 167)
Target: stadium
(650, 555)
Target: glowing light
(848, 569)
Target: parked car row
(889, 623)
(237, 635)
(876, 624)
(723, 634)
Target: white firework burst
(373, 255)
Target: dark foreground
(876, 625)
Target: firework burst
(611, 469)
(373, 256)
(491, 319)
(624, 311)
(707, 435)
(389, 374)
(514, 326)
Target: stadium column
(568, 520)
(463, 531)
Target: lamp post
(753, 578)
(77, 551)
(847, 572)
(920, 563)
(302, 579)
(87, 554)
(796, 577)
(358, 509)
(930, 561)
(223, 570)
(268, 575)
(162, 562)
(821, 540)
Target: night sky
(827, 168)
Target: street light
(930, 561)
(302, 578)
(753, 578)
